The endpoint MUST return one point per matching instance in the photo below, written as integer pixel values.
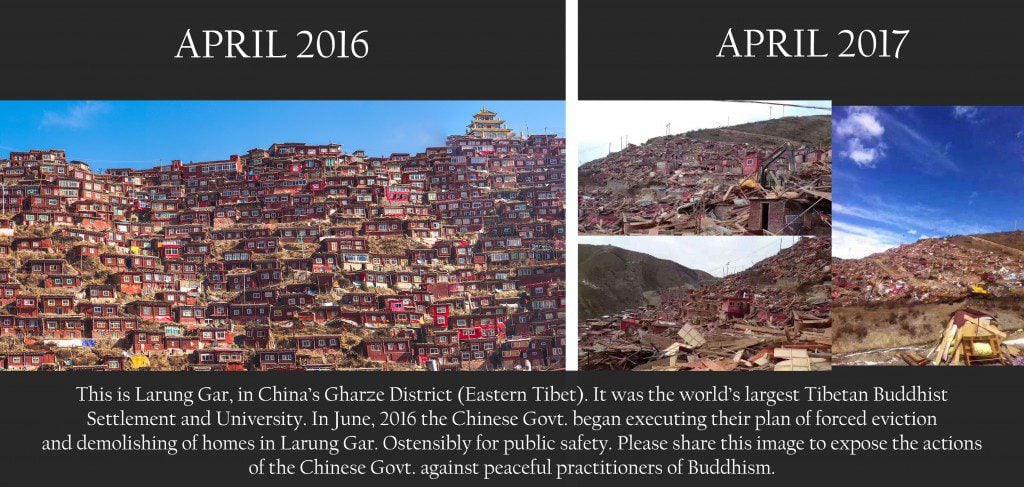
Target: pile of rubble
(678, 185)
(775, 315)
(970, 338)
(929, 271)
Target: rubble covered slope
(773, 316)
(904, 296)
(765, 178)
(613, 279)
(933, 270)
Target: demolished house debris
(970, 338)
(932, 270)
(892, 307)
(677, 185)
(288, 258)
(773, 316)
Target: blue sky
(140, 133)
(904, 173)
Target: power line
(812, 107)
(752, 256)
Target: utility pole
(769, 112)
(609, 147)
(668, 128)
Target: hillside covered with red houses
(292, 257)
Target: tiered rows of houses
(452, 258)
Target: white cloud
(907, 215)
(912, 231)
(929, 155)
(863, 122)
(76, 116)
(865, 135)
(864, 156)
(964, 112)
(854, 242)
(859, 136)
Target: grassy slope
(613, 279)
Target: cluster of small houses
(481, 285)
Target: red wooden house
(180, 344)
(150, 310)
(56, 304)
(110, 326)
(216, 336)
(64, 327)
(27, 360)
(90, 308)
(752, 163)
(46, 266)
(62, 281)
(276, 359)
(737, 306)
(257, 336)
(190, 314)
(102, 292)
(325, 262)
(33, 244)
(388, 349)
(231, 359)
(141, 341)
(249, 313)
(318, 342)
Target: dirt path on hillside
(781, 140)
(898, 273)
(1011, 250)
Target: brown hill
(814, 131)
(613, 279)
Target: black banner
(118, 49)
(952, 52)
(921, 422)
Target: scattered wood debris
(677, 185)
(774, 316)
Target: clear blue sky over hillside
(140, 133)
(904, 173)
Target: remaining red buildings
(737, 306)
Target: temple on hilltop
(486, 124)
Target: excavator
(765, 178)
